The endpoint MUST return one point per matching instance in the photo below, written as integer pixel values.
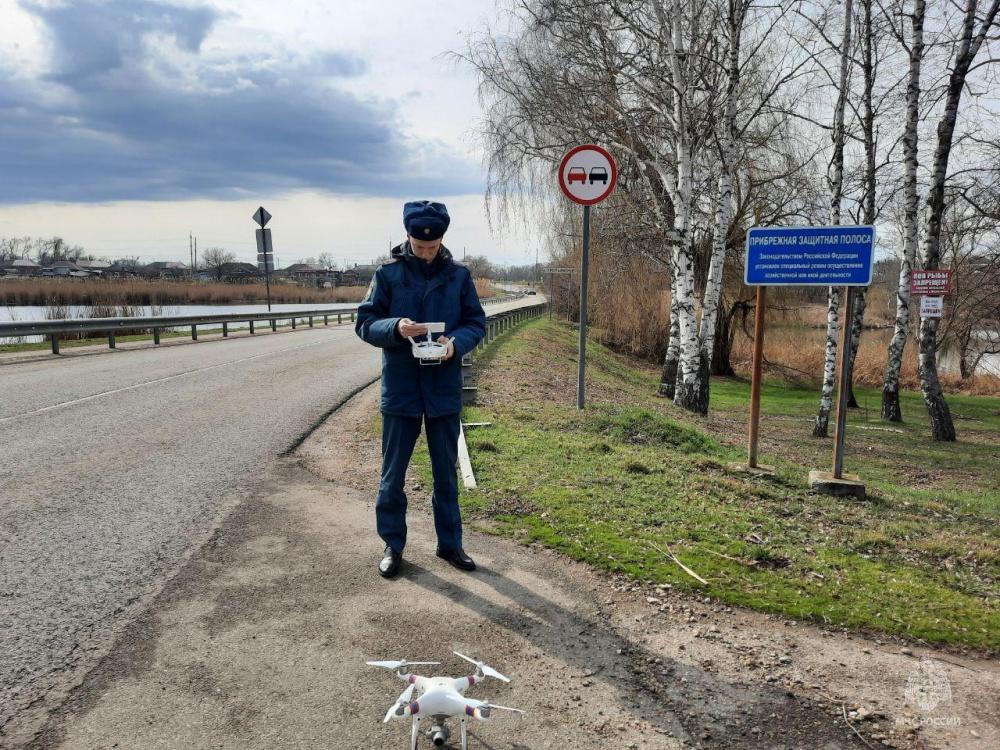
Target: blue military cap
(425, 220)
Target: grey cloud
(115, 122)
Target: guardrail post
(111, 341)
(338, 319)
(274, 325)
(352, 317)
(156, 337)
(55, 344)
(293, 322)
(326, 320)
(310, 321)
(194, 333)
(225, 330)
(252, 332)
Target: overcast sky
(125, 124)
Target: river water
(33, 312)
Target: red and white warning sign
(934, 283)
(587, 175)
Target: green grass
(633, 477)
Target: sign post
(265, 250)
(758, 356)
(587, 175)
(812, 256)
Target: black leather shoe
(458, 558)
(388, 567)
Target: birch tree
(835, 179)
(890, 388)
(974, 31)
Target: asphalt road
(115, 466)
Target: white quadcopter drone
(440, 698)
(430, 352)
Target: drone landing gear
(415, 733)
(465, 738)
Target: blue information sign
(809, 256)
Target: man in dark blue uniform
(421, 284)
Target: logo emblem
(427, 230)
(928, 686)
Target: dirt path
(260, 642)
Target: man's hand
(408, 328)
(449, 352)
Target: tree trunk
(668, 375)
(890, 386)
(857, 325)
(868, 200)
(694, 395)
(942, 427)
(722, 352)
(822, 424)
(836, 182)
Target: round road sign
(587, 174)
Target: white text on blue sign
(809, 256)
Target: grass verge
(633, 480)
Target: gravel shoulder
(260, 642)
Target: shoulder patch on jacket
(371, 290)
(389, 262)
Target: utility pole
(195, 254)
(191, 249)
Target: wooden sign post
(810, 256)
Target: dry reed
(145, 292)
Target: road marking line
(83, 399)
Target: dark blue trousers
(399, 434)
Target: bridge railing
(112, 327)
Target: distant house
(308, 274)
(95, 267)
(122, 271)
(165, 269)
(303, 270)
(363, 274)
(20, 267)
(70, 269)
(237, 272)
(348, 278)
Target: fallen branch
(684, 567)
(750, 563)
(843, 708)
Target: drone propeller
(399, 664)
(402, 700)
(482, 667)
(505, 708)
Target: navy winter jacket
(442, 291)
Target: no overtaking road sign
(588, 174)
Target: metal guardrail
(113, 326)
(496, 325)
